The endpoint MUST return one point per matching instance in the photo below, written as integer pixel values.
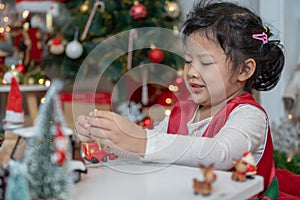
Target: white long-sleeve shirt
(245, 130)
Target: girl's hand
(82, 129)
(116, 131)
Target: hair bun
(269, 74)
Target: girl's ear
(247, 70)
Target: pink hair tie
(261, 36)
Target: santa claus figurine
(248, 159)
(61, 145)
(29, 42)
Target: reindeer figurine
(205, 187)
(240, 171)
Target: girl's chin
(197, 90)
(196, 99)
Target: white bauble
(74, 49)
(8, 76)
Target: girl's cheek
(185, 71)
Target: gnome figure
(14, 116)
(14, 119)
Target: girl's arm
(245, 130)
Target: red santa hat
(14, 110)
(59, 132)
(248, 158)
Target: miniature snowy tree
(48, 152)
(286, 137)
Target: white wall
(284, 16)
(271, 12)
(291, 29)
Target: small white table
(30, 95)
(139, 181)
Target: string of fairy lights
(5, 18)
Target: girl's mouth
(196, 88)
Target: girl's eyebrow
(211, 55)
(198, 54)
(204, 55)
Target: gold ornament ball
(84, 7)
(172, 9)
(31, 81)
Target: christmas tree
(48, 152)
(82, 25)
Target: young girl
(228, 51)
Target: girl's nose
(193, 72)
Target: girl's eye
(188, 62)
(206, 63)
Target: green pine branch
(283, 161)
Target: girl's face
(208, 73)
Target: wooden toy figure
(240, 171)
(205, 187)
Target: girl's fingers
(83, 133)
(99, 133)
(80, 129)
(91, 128)
(84, 138)
(103, 114)
(103, 136)
(105, 142)
(100, 123)
(82, 121)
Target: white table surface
(135, 180)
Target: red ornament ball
(21, 68)
(156, 55)
(146, 123)
(138, 11)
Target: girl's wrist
(141, 143)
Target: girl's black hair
(232, 26)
